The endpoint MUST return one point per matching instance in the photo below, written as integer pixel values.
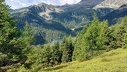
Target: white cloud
(62, 2)
(24, 3)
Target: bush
(3, 58)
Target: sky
(15, 4)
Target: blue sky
(15, 4)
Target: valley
(66, 19)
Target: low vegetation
(112, 61)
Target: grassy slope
(113, 61)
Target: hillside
(38, 16)
(112, 61)
(111, 4)
(63, 20)
(116, 15)
(90, 3)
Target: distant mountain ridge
(90, 3)
(111, 4)
(63, 20)
(116, 15)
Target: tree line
(92, 41)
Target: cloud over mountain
(15, 4)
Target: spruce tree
(67, 49)
(70, 48)
(91, 36)
(9, 43)
(124, 41)
(79, 50)
(103, 38)
(56, 54)
(46, 56)
(64, 50)
(27, 37)
(118, 34)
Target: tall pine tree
(47, 55)
(67, 49)
(9, 43)
(56, 54)
(118, 34)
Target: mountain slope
(90, 3)
(61, 20)
(51, 22)
(38, 16)
(111, 4)
(116, 15)
(113, 61)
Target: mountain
(50, 22)
(111, 4)
(38, 16)
(116, 15)
(90, 3)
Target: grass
(113, 61)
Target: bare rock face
(111, 4)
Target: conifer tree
(93, 41)
(56, 54)
(9, 43)
(103, 38)
(46, 58)
(67, 49)
(71, 48)
(27, 37)
(79, 50)
(91, 36)
(124, 41)
(118, 34)
(64, 50)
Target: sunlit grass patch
(112, 61)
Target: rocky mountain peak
(115, 4)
